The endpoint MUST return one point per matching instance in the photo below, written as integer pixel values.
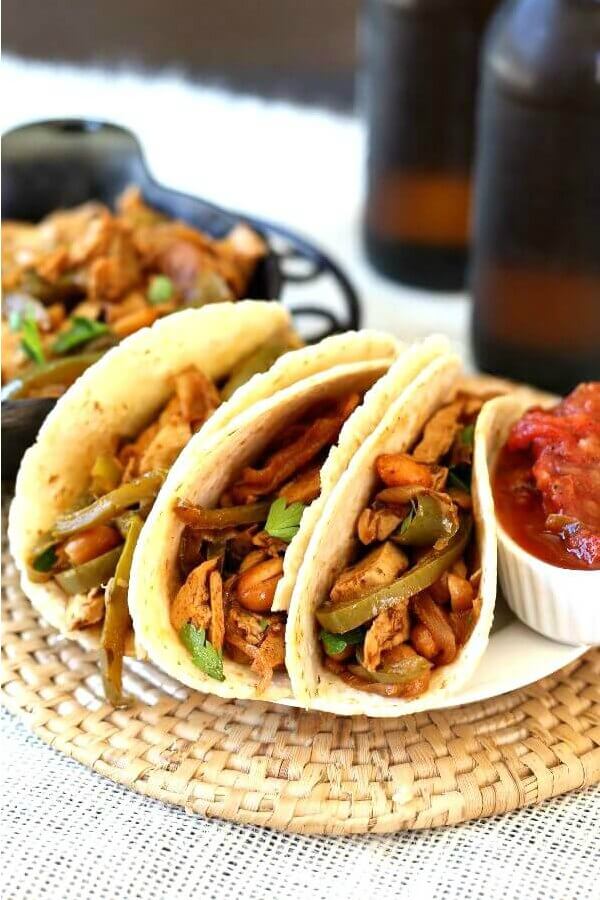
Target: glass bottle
(419, 88)
(535, 272)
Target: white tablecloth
(69, 833)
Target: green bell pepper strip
(89, 575)
(109, 506)
(228, 517)
(341, 617)
(57, 371)
(258, 361)
(117, 621)
(401, 672)
(107, 472)
(431, 520)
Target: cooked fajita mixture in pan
(82, 279)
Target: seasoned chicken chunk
(439, 433)
(379, 568)
(389, 629)
(83, 611)
(192, 601)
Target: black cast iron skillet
(62, 163)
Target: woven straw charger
(271, 765)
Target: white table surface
(69, 833)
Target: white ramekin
(562, 604)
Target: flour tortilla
(205, 468)
(332, 540)
(124, 391)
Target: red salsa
(547, 481)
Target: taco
(85, 488)
(222, 548)
(393, 605)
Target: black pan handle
(302, 262)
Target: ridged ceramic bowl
(562, 604)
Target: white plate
(515, 656)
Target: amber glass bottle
(419, 88)
(535, 273)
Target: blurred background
(444, 151)
(305, 51)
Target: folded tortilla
(125, 390)
(204, 470)
(330, 547)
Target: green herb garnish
(160, 289)
(335, 644)
(31, 341)
(202, 651)
(81, 331)
(407, 520)
(46, 559)
(283, 521)
(467, 435)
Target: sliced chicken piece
(438, 435)
(398, 469)
(270, 656)
(165, 447)
(379, 568)
(376, 524)
(83, 611)
(197, 395)
(216, 632)
(322, 432)
(305, 488)
(112, 275)
(192, 602)
(389, 629)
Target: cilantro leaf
(81, 331)
(202, 651)
(46, 559)
(31, 341)
(407, 520)
(283, 521)
(160, 289)
(337, 643)
(467, 435)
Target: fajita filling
(231, 557)
(410, 598)
(80, 280)
(89, 550)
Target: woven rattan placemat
(259, 763)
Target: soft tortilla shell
(331, 543)
(118, 396)
(124, 390)
(201, 473)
